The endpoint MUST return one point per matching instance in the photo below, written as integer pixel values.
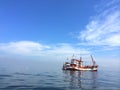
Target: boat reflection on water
(80, 80)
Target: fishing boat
(78, 64)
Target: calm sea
(49, 76)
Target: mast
(80, 58)
(93, 61)
(80, 62)
(67, 58)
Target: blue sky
(60, 28)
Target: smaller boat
(77, 64)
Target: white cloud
(38, 49)
(22, 47)
(104, 28)
(67, 49)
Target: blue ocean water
(50, 76)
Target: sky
(56, 29)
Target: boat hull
(80, 69)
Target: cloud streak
(38, 49)
(104, 28)
(22, 47)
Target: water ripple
(18, 86)
(18, 73)
(48, 88)
(2, 75)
